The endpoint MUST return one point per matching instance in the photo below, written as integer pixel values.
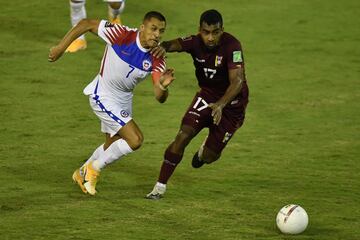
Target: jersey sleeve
(235, 56)
(111, 33)
(187, 43)
(159, 66)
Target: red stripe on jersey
(103, 62)
(114, 34)
(129, 37)
(118, 31)
(109, 37)
(159, 64)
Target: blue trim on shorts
(96, 98)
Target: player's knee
(184, 136)
(82, 2)
(115, 5)
(136, 141)
(181, 141)
(77, 6)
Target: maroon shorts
(198, 116)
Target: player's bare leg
(114, 11)
(77, 13)
(204, 155)
(172, 158)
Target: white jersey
(125, 63)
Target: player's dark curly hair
(154, 14)
(211, 17)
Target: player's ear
(142, 27)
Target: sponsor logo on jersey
(237, 56)
(186, 38)
(146, 64)
(124, 113)
(125, 53)
(199, 60)
(218, 60)
(234, 102)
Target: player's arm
(166, 46)
(85, 25)
(161, 82)
(172, 45)
(236, 79)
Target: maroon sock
(171, 160)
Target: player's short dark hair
(211, 17)
(154, 14)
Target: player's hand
(55, 53)
(167, 77)
(158, 51)
(216, 112)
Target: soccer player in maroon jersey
(221, 102)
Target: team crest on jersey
(124, 113)
(218, 60)
(146, 64)
(237, 56)
(227, 137)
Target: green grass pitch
(300, 142)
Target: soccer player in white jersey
(78, 12)
(127, 60)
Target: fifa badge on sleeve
(237, 56)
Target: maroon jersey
(212, 65)
(212, 72)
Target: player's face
(211, 34)
(151, 32)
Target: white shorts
(113, 116)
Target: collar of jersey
(139, 44)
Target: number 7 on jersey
(131, 70)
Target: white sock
(116, 150)
(95, 154)
(160, 187)
(77, 13)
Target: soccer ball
(292, 219)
